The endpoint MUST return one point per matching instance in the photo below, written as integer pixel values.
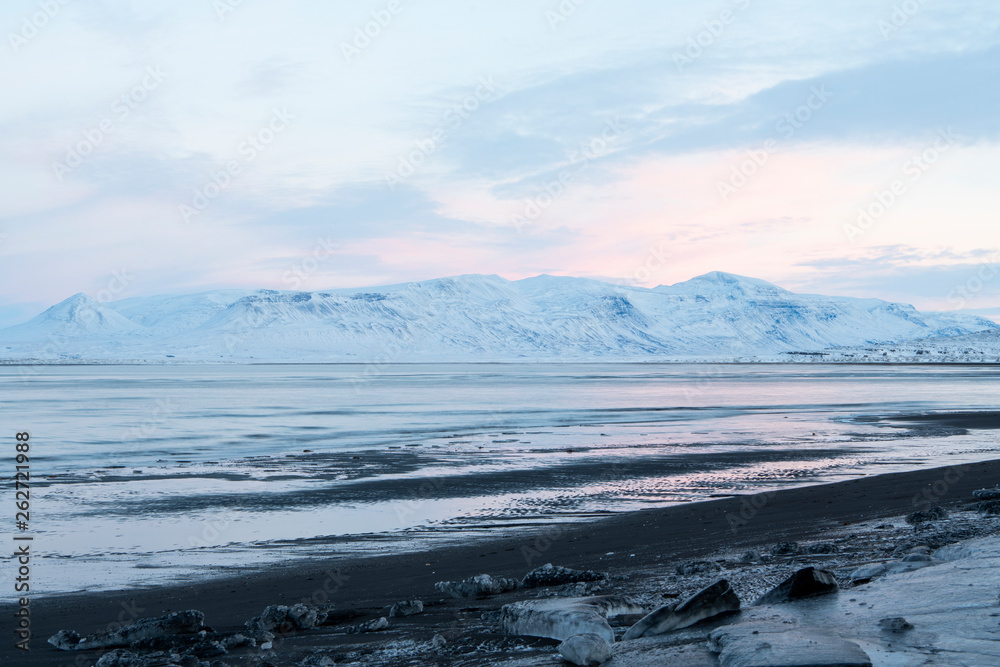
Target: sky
(847, 148)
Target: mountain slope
(477, 317)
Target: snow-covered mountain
(717, 316)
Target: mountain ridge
(476, 317)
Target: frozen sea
(151, 474)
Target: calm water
(144, 474)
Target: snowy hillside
(717, 316)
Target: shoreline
(620, 545)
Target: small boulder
(716, 599)
(555, 575)
(786, 549)
(895, 624)
(406, 608)
(808, 582)
(698, 567)
(821, 548)
(987, 507)
(923, 516)
(750, 556)
(285, 619)
(177, 623)
(586, 649)
(987, 494)
(479, 586)
(65, 640)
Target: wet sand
(370, 583)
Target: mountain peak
(729, 282)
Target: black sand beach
(618, 545)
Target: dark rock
(922, 516)
(786, 549)
(717, 599)
(373, 625)
(806, 583)
(698, 567)
(208, 649)
(178, 623)
(750, 556)
(987, 494)
(406, 608)
(895, 624)
(587, 649)
(986, 507)
(280, 618)
(554, 575)
(479, 586)
(65, 640)
(821, 548)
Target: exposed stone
(698, 567)
(786, 549)
(987, 494)
(406, 608)
(922, 516)
(438, 641)
(986, 507)
(895, 624)
(750, 556)
(717, 599)
(285, 619)
(554, 575)
(806, 583)
(65, 640)
(561, 618)
(821, 548)
(373, 625)
(177, 623)
(775, 645)
(479, 586)
(588, 649)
